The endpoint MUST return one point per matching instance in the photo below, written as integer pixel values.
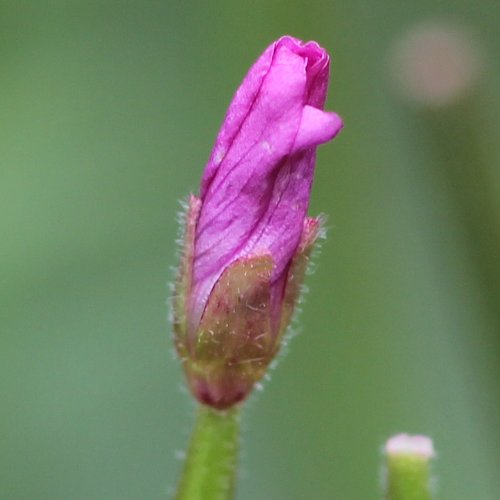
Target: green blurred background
(108, 111)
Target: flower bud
(407, 475)
(247, 236)
(436, 63)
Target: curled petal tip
(316, 127)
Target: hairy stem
(210, 468)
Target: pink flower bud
(248, 236)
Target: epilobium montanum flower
(247, 236)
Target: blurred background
(108, 114)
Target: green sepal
(296, 273)
(184, 276)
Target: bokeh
(108, 113)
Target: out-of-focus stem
(466, 170)
(211, 463)
(408, 478)
(408, 475)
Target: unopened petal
(256, 186)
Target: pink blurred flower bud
(436, 63)
(405, 444)
(247, 236)
(407, 469)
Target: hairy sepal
(296, 273)
(233, 344)
(183, 280)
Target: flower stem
(408, 468)
(408, 479)
(211, 462)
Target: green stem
(408, 468)
(408, 478)
(211, 462)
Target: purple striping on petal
(256, 186)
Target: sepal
(296, 273)
(183, 280)
(233, 345)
